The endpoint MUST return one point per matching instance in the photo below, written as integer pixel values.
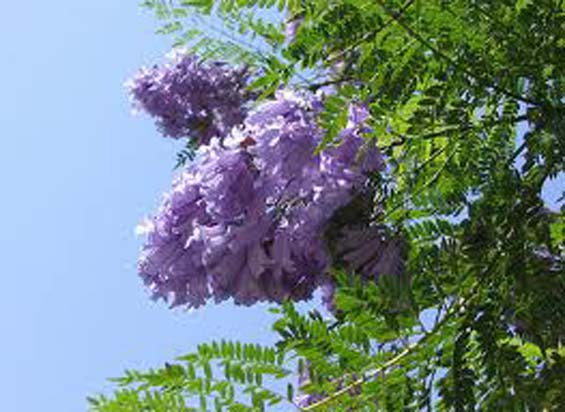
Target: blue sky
(77, 173)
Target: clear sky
(77, 173)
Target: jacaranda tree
(391, 154)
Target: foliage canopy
(467, 102)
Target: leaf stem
(454, 63)
(388, 364)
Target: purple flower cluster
(369, 252)
(246, 219)
(191, 98)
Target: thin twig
(363, 39)
(441, 133)
(388, 364)
(315, 86)
(454, 63)
(239, 41)
(372, 33)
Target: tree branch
(315, 86)
(391, 362)
(444, 56)
(440, 133)
(373, 33)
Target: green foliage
(221, 376)
(478, 323)
(187, 153)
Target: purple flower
(247, 219)
(191, 98)
(370, 252)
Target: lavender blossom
(191, 98)
(370, 252)
(246, 220)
